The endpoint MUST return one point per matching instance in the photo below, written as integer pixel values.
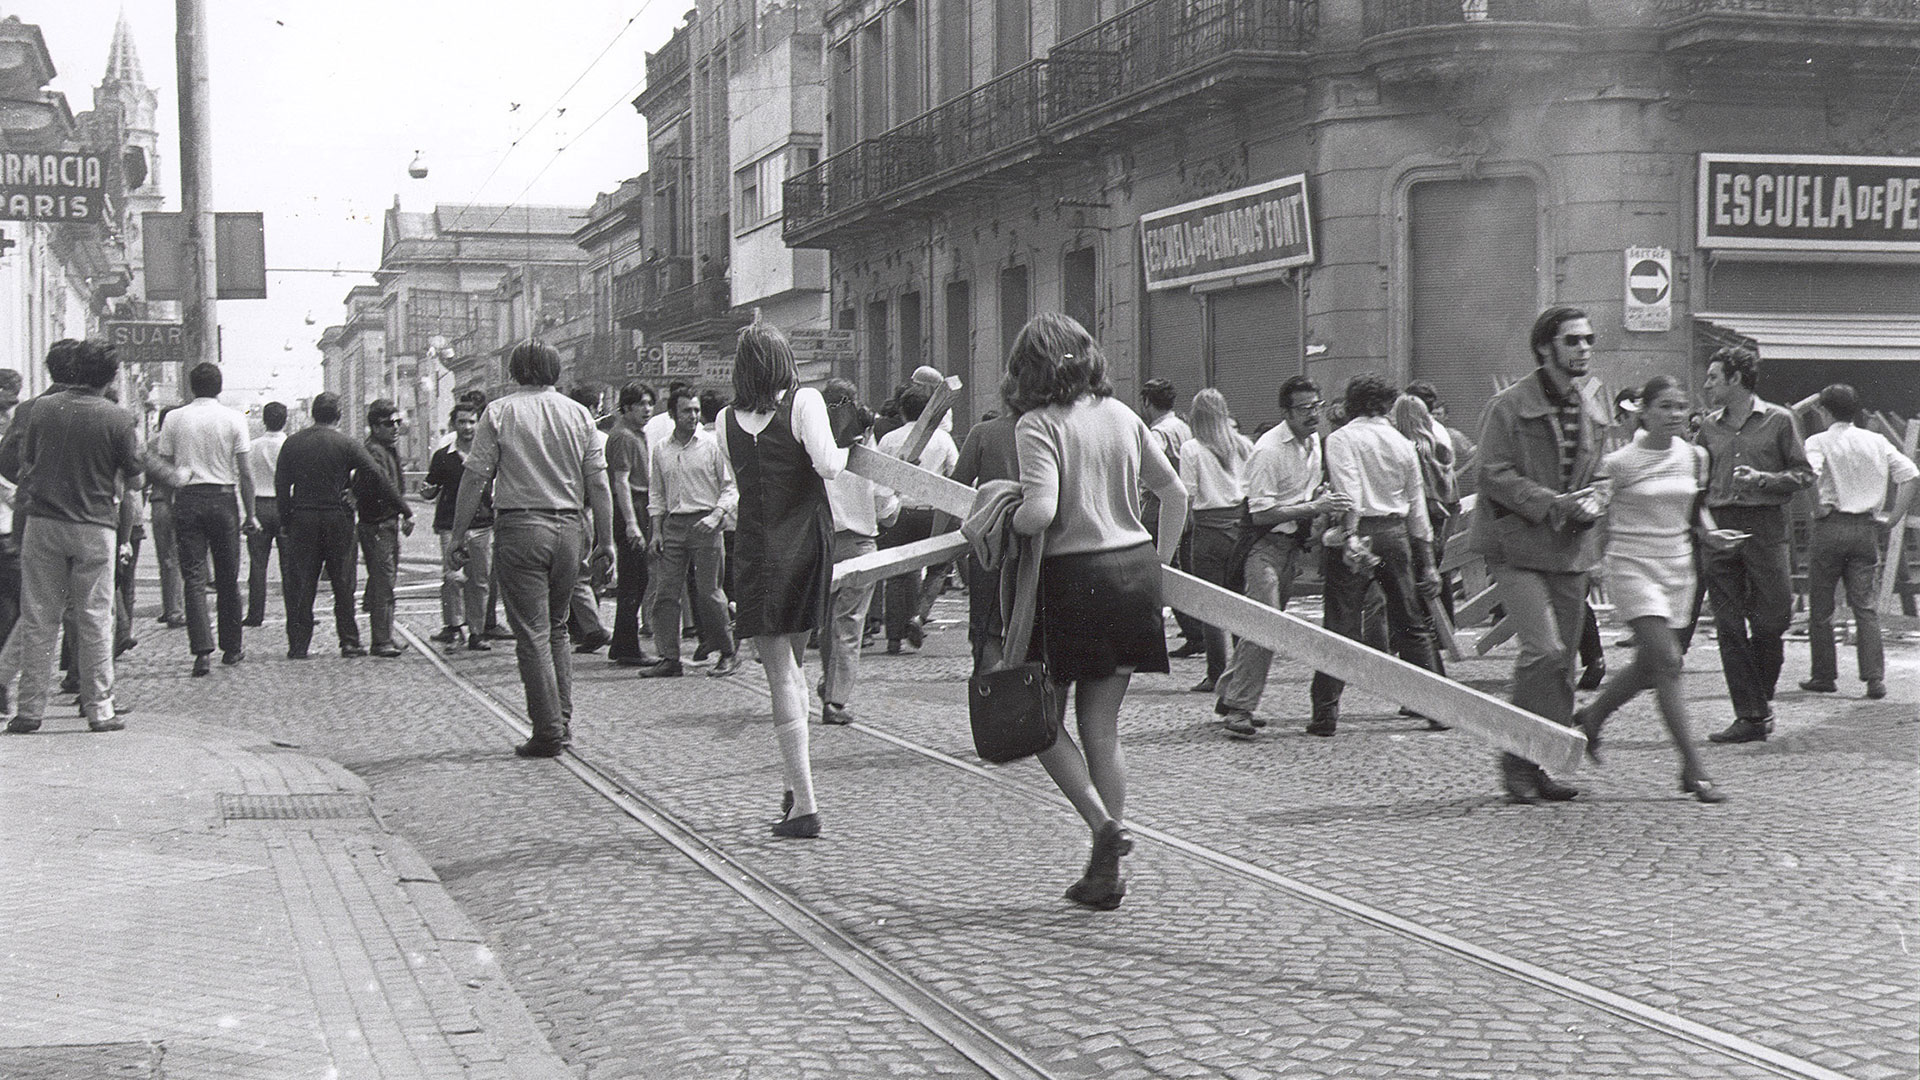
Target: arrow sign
(1648, 294)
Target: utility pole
(197, 296)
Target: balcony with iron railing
(1167, 51)
(1857, 29)
(1418, 40)
(630, 292)
(708, 298)
(976, 136)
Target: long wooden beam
(1496, 721)
(1897, 540)
(945, 393)
(881, 565)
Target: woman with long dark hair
(1656, 481)
(782, 448)
(1213, 466)
(1083, 460)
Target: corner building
(1460, 165)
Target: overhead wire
(604, 113)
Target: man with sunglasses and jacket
(1540, 443)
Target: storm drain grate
(330, 807)
(96, 1061)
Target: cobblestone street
(1358, 906)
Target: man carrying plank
(1539, 446)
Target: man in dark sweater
(383, 519)
(74, 453)
(310, 485)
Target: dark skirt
(1100, 611)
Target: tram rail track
(976, 1039)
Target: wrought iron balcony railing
(1386, 16)
(630, 291)
(1158, 41)
(703, 299)
(1907, 11)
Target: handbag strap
(1019, 625)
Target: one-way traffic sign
(1649, 289)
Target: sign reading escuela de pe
(52, 186)
(1809, 202)
(1254, 229)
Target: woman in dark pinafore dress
(781, 445)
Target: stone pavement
(196, 901)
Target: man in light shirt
(261, 544)
(206, 445)
(1282, 477)
(902, 593)
(1386, 537)
(860, 508)
(536, 447)
(1852, 468)
(690, 493)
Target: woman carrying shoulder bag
(1083, 460)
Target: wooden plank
(910, 481)
(1443, 629)
(944, 394)
(1897, 539)
(881, 565)
(1497, 722)
(1494, 637)
(1478, 607)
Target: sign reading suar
(1264, 227)
(52, 186)
(1809, 202)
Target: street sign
(147, 342)
(239, 254)
(1649, 289)
(52, 186)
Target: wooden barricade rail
(1496, 721)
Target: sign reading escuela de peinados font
(1264, 227)
(1809, 202)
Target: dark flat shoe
(804, 827)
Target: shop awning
(1826, 337)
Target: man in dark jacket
(310, 486)
(383, 520)
(1540, 444)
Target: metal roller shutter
(1256, 347)
(1473, 248)
(1174, 351)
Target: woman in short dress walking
(1656, 480)
(1083, 460)
(782, 448)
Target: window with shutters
(1075, 16)
(873, 80)
(1078, 292)
(843, 129)
(955, 48)
(908, 78)
(1473, 250)
(1013, 306)
(1012, 43)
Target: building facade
(1231, 192)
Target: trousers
(313, 539)
(1846, 549)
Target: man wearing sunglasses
(1539, 446)
(382, 521)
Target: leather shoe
(233, 656)
(1322, 726)
(448, 635)
(701, 653)
(476, 643)
(1517, 776)
(1206, 685)
(1593, 676)
(804, 827)
(296, 654)
(353, 650)
(1744, 730)
(386, 650)
(1819, 686)
(1100, 892)
(1191, 648)
(113, 723)
(916, 636)
(203, 664)
(725, 666)
(540, 748)
(1550, 789)
(636, 660)
(1876, 689)
(593, 642)
(831, 713)
(20, 725)
(496, 632)
(1589, 726)
(1240, 725)
(253, 622)
(662, 669)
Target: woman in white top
(1651, 519)
(780, 442)
(1083, 459)
(1213, 466)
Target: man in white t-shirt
(206, 445)
(902, 592)
(262, 457)
(1851, 467)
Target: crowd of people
(722, 519)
